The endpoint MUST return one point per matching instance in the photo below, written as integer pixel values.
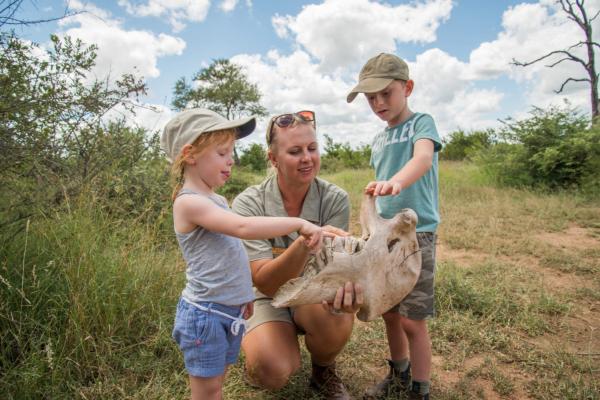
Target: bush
(460, 145)
(254, 157)
(553, 149)
(341, 155)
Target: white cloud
(119, 51)
(346, 32)
(176, 11)
(295, 82)
(228, 5)
(529, 32)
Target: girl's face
(213, 164)
(295, 154)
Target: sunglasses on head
(289, 119)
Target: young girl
(209, 322)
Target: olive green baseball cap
(378, 73)
(186, 126)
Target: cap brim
(245, 126)
(369, 85)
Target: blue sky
(304, 54)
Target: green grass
(87, 302)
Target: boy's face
(390, 104)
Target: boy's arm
(418, 165)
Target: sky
(307, 55)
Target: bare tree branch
(576, 12)
(570, 80)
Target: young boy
(404, 156)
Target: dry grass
(517, 298)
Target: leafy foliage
(221, 87)
(553, 148)
(460, 145)
(341, 155)
(54, 137)
(254, 157)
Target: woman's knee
(274, 373)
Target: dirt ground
(579, 329)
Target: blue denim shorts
(205, 337)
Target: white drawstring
(237, 322)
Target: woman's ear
(272, 158)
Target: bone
(385, 261)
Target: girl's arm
(411, 172)
(198, 210)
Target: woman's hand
(348, 299)
(249, 310)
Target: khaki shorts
(419, 304)
(265, 312)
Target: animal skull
(385, 261)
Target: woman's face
(295, 154)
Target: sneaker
(325, 381)
(394, 384)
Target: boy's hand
(313, 236)
(383, 188)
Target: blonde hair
(203, 141)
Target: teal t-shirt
(391, 150)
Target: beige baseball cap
(186, 126)
(378, 73)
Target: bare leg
(326, 334)
(207, 388)
(397, 340)
(272, 354)
(420, 348)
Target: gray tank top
(218, 269)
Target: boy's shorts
(419, 303)
(205, 338)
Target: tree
(8, 11)
(222, 87)
(54, 137)
(577, 13)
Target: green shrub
(254, 157)
(460, 145)
(552, 149)
(338, 156)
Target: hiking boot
(416, 396)
(325, 381)
(395, 384)
(415, 391)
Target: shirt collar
(274, 202)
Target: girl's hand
(313, 236)
(249, 310)
(383, 188)
(332, 231)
